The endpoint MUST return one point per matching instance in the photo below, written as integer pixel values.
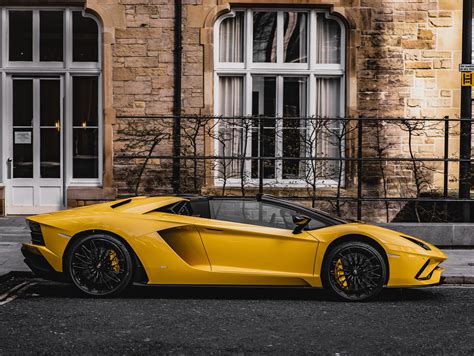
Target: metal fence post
(446, 156)
(359, 168)
(446, 163)
(260, 154)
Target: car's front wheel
(354, 271)
(100, 265)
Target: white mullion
(280, 38)
(248, 24)
(36, 36)
(2, 37)
(312, 39)
(217, 93)
(36, 142)
(279, 128)
(248, 84)
(62, 139)
(312, 111)
(4, 124)
(67, 129)
(100, 132)
(67, 38)
(248, 112)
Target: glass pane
(232, 132)
(85, 101)
(328, 40)
(21, 35)
(22, 153)
(51, 36)
(50, 103)
(85, 153)
(294, 40)
(264, 36)
(239, 211)
(22, 103)
(85, 38)
(50, 153)
(294, 133)
(231, 39)
(264, 104)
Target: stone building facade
(400, 59)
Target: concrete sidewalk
(13, 231)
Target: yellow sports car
(196, 240)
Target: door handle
(9, 167)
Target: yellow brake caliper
(339, 273)
(114, 261)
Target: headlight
(419, 243)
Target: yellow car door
(248, 236)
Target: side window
(256, 213)
(239, 211)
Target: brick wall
(407, 61)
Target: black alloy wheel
(100, 265)
(354, 271)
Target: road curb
(458, 280)
(17, 274)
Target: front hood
(395, 238)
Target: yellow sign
(467, 79)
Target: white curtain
(231, 130)
(231, 39)
(328, 40)
(328, 107)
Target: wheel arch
(139, 275)
(359, 238)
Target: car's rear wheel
(100, 265)
(354, 271)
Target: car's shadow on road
(47, 289)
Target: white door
(35, 156)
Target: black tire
(354, 271)
(100, 265)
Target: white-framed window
(279, 64)
(65, 43)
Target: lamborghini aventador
(195, 240)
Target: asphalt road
(49, 318)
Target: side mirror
(301, 222)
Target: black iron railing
(381, 168)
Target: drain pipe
(466, 115)
(178, 49)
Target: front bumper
(39, 264)
(411, 269)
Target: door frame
(8, 145)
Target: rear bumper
(38, 263)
